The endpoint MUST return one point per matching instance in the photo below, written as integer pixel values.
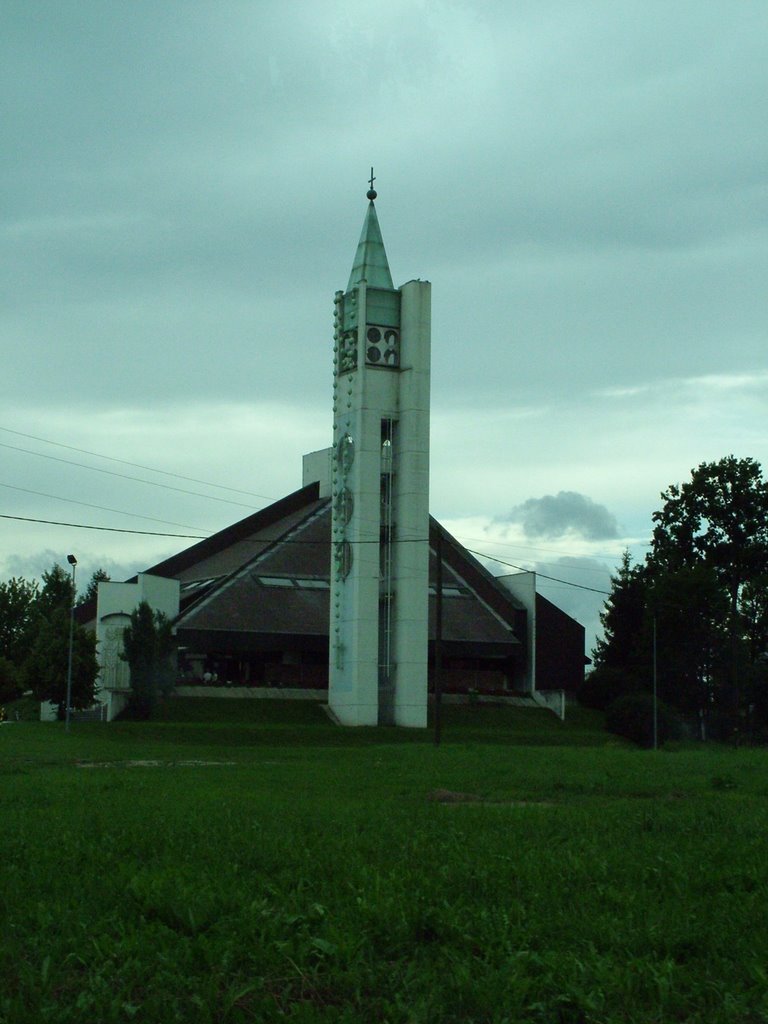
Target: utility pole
(438, 651)
(655, 694)
(73, 562)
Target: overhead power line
(541, 575)
(101, 508)
(234, 490)
(108, 529)
(558, 551)
(125, 476)
(465, 540)
(267, 541)
(136, 465)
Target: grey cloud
(567, 511)
(32, 566)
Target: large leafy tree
(46, 667)
(717, 524)
(10, 684)
(34, 640)
(700, 599)
(754, 617)
(150, 650)
(18, 598)
(687, 614)
(719, 518)
(56, 591)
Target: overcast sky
(584, 183)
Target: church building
(348, 585)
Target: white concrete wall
(161, 594)
(411, 552)
(316, 467)
(114, 604)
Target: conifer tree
(90, 592)
(150, 650)
(622, 618)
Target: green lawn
(308, 875)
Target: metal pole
(73, 562)
(438, 635)
(655, 695)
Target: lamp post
(73, 562)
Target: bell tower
(379, 609)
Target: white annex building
(334, 588)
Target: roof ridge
(270, 546)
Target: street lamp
(73, 562)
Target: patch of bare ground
(449, 796)
(151, 764)
(675, 794)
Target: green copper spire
(371, 259)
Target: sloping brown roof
(225, 551)
(283, 590)
(246, 600)
(268, 575)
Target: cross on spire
(371, 194)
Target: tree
(18, 599)
(699, 601)
(754, 613)
(720, 518)
(150, 650)
(56, 591)
(619, 657)
(622, 618)
(46, 667)
(91, 591)
(688, 612)
(10, 687)
(717, 521)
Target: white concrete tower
(379, 614)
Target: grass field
(276, 868)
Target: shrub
(604, 685)
(631, 716)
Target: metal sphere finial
(371, 193)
